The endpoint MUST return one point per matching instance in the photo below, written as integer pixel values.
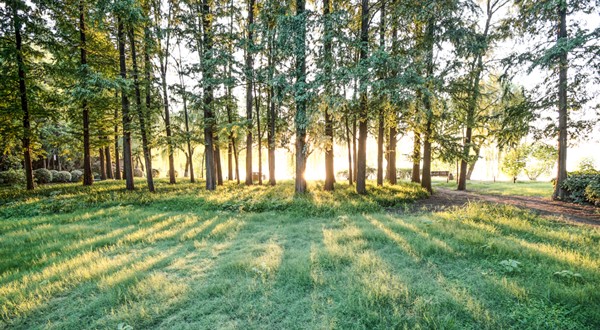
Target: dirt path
(444, 198)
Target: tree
(540, 160)
(514, 161)
(363, 112)
(544, 24)
(300, 95)
(327, 57)
(209, 119)
(127, 155)
(17, 21)
(163, 50)
(249, 89)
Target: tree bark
(348, 142)
(88, 179)
(561, 176)
(140, 112)
(391, 155)
(272, 116)
(426, 175)
(258, 135)
(102, 164)
(117, 160)
(249, 83)
(209, 120)
(127, 157)
(301, 120)
(164, 65)
(107, 157)
(381, 122)
(328, 58)
(218, 162)
(472, 164)
(23, 96)
(361, 162)
(416, 158)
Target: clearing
(258, 257)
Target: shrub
(137, 173)
(155, 173)
(63, 176)
(76, 176)
(12, 177)
(176, 174)
(592, 191)
(577, 184)
(54, 174)
(42, 176)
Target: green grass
(260, 258)
(521, 188)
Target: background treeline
(103, 85)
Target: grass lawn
(257, 257)
(521, 188)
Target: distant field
(260, 258)
(521, 188)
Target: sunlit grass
(259, 257)
(521, 188)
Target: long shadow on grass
(114, 269)
(471, 242)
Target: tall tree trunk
(328, 58)
(301, 120)
(188, 138)
(474, 91)
(416, 158)
(229, 161)
(127, 157)
(381, 122)
(354, 146)
(23, 96)
(249, 82)
(88, 179)
(561, 176)
(186, 173)
(361, 175)
(272, 116)
(140, 112)
(472, 164)
(209, 120)
(117, 160)
(348, 142)
(391, 155)
(109, 169)
(236, 157)
(259, 135)
(426, 176)
(164, 65)
(218, 162)
(102, 164)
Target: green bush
(12, 177)
(76, 176)
(62, 176)
(592, 191)
(54, 174)
(42, 176)
(577, 184)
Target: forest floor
(261, 258)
